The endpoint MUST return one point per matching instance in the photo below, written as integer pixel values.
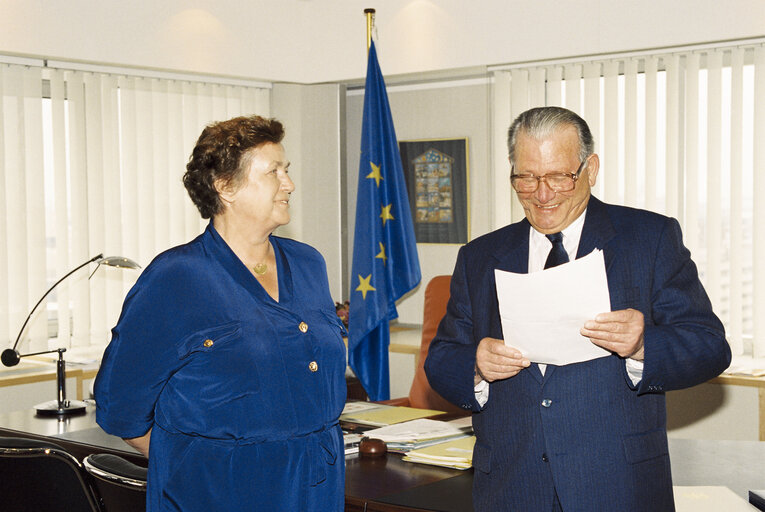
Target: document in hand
(542, 312)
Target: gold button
(303, 327)
(208, 343)
(313, 366)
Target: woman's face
(263, 196)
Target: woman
(226, 367)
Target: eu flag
(385, 264)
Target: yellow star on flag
(375, 174)
(381, 254)
(364, 286)
(386, 215)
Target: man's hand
(495, 360)
(620, 332)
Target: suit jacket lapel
(514, 257)
(597, 231)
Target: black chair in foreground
(120, 483)
(39, 476)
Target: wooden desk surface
(378, 484)
(30, 371)
(740, 380)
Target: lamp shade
(10, 357)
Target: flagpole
(370, 14)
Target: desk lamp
(11, 357)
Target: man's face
(549, 211)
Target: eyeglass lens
(557, 182)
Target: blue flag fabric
(385, 263)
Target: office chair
(40, 476)
(421, 395)
(120, 483)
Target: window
(91, 163)
(676, 134)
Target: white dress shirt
(539, 249)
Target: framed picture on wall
(436, 172)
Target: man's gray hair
(541, 122)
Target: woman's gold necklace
(262, 268)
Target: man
(587, 436)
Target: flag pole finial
(370, 15)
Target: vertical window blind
(92, 163)
(680, 133)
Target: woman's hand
(140, 443)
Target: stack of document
(352, 442)
(457, 454)
(379, 415)
(415, 434)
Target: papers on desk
(746, 366)
(457, 454)
(351, 442)
(708, 499)
(380, 415)
(542, 312)
(419, 433)
(354, 407)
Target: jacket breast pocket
(335, 322)
(218, 363)
(207, 339)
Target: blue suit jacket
(599, 441)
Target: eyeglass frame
(574, 177)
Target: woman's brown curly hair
(223, 152)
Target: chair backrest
(421, 395)
(41, 476)
(120, 483)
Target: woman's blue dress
(242, 393)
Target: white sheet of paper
(542, 312)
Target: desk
(33, 372)
(745, 380)
(79, 434)
(389, 484)
(366, 479)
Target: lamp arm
(18, 338)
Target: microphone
(10, 357)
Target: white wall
(311, 117)
(714, 411)
(311, 41)
(433, 112)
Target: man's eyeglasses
(557, 181)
